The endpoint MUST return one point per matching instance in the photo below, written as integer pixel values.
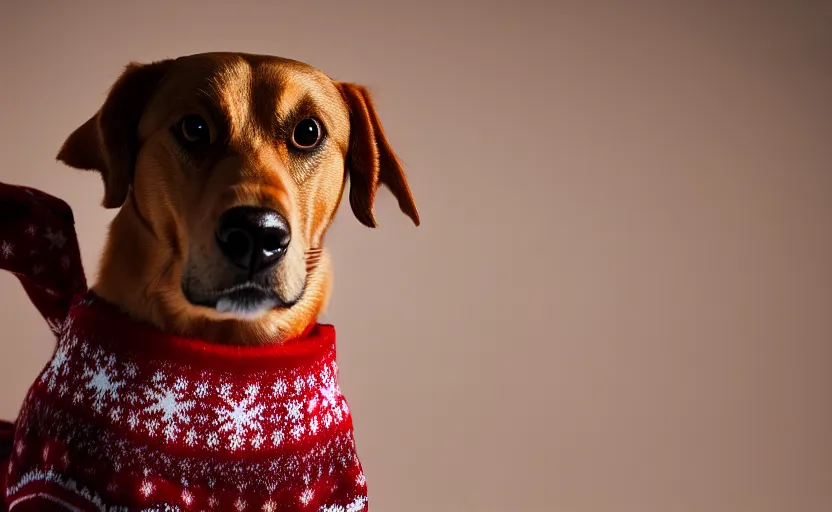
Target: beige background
(620, 296)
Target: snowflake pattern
(168, 402)
(279, 388)
(56, 238)
(6, 249)
(147, 488)
(102, 379)
(57, 368)
(240, 417)
(294, 410)
(164, 405)
(201, 389)
(357, 505)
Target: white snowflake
(133, 420)
(330, 392)
(102, 380)
(131, 370)
(147, 488)
(213, 502)
(257, 441)
(357, 504)
(56, 238)
(299, 384)
(277, 437)
(150, 426)
(293, 410)
(298, 430)
(6, 249)
(31, 230)
(239, 417)
(187, 497)
(306, 496)
(271, 485)
(213, 440)
(170, 401)
(201, 389)
(240, 504)
(279, 388)
(313, 425)
(269, 506)
(326, 374)
(20, 447)
(190, 437)
(57, 367)
(361, 480)
(115, 414)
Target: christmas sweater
(125, 417)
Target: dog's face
(228, 169)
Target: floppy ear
(371, 161)
(108, 142)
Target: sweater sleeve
(38, 245)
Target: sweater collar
(111, 327)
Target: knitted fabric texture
(124, 417)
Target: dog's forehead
(240, 83)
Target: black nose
(253, 238)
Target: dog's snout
(253, 238)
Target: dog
(227, 170)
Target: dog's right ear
(108, 142)
(371, 161)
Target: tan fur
(163, 237)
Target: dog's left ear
(371, 161)
(108, 142)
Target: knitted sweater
(125, 417)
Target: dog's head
(228, 169)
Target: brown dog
(228, 169)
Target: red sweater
(125, 417)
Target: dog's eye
(307, 134)
(194, 130)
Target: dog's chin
(246, 301)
